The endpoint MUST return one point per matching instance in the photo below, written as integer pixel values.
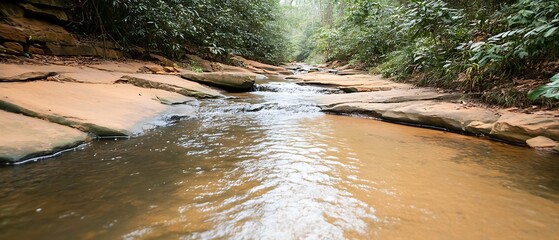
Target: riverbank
(373, 96)
(50, 106)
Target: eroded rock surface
(25, 137)
(232, 81)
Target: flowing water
(270, 165)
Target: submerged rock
(541, 142)
(25, 137)
(231, 81)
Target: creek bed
(270, 165)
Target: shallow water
(269, 165)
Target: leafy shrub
(251, 28)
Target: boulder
(53, 14)
(25, 137)
(541, 142)
(232, 81)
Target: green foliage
(475, 46)
(251, 28)
(550, 90)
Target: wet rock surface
(403, 103)
(25, 137)
(233, 81)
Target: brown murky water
(269, 165)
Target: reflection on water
(269, 165)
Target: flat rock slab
(519, 127)
(352, 83)
(231, 81)
(106, 73)
(171, 83)
(391, 96)
(105, 110)
(25, 137)
(427, 113)
(28, 76)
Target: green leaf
(550, 32)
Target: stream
(270, 165)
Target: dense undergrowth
(215, 28)
(495, 50)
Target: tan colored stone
(154, 68)
(519, 127)
(106, 110)
(541, 142)
(171, 83)
(424, 113)
(233, 81)
(25, 137)
(29, 76)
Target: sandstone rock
(153, 68)
(102, 109)
(53, 14)
(423, 113)
(83, 50)
(233, 81)
(12, 33)
(35, 50)
(25, 137)
(30, 76)
(16, 47)
(41, 31)
(5, 50)
(351, 72)
(541, 142)
(170, 83)
(258, 65)
(519, 127)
